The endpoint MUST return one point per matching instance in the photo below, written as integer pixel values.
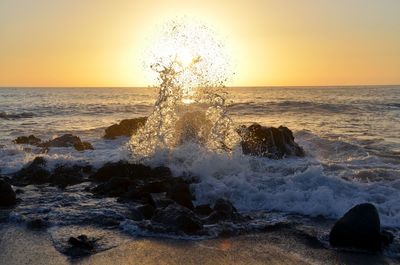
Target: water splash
(191, 68)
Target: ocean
(350, 136)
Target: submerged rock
(68, 140)
(31, 139)
(126, 127)
(269, 142)
(359, 228)
(7, 194)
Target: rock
(147, 210)
(115, 187)
(82, 146)
(31, 139)
(36, 224)
(126, 127)
(159, 200)
(66, 175)
(7, 194)
(223, 211)
(359, 228)
(67, 140)
(203, 209)
(177, 219)
(180, 193)
(34, 173)
(80, 246)
(269, 142)
(125, 170)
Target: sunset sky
(271, 42)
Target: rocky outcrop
(68, 140)
(7, 194)
(126, 127)
(360, 228)
(62, 175)
(31, 140)
(269, 142)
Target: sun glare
(193, 52)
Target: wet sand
(19, 245)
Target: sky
(270, 42)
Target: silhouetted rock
(180, 193)
(34, 173)
(223, 210)
(80, 246)
(147, 210)
(67, 140)
(159, 200)
(176, 218)
(269, 142)
(203, 209)
(66, 175)
(7, 194)
(359, 228)
(31, 139)
(37, 224)
(126, 127)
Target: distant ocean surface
(351, 136)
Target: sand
(19, 245)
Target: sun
(196, 57)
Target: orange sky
(281, 42)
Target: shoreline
(19, 245)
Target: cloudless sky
(271, 42)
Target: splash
(191, 68)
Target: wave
(11, 116)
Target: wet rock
(269, 142)
(115, 187)
(80, 246)
(7, 194)
(203, 209)
(147, 210)
(66, 175)
(159, 200)
(126, 127)
(67, 140)
(180, 193)
(125, 170)
(37, 224)
(31, 139)
(359, 228)
(34, 173)
(176, 218)
(223, 211)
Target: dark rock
(223, 211)
(31, 139)
(66, 175)
(122, 169)
(177, 219)
(125, 128)
(269, 142)
(82, 146)
(387, 238)
(204, 209)
(180, 193)
(34, 173)
(36, 224)
(159, 200)
(147, 210)
(7, 194)
(81, 241)
(359, 228)
(67, 140)
(115, 187)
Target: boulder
(180, 193)
(359, 228)
(67, 140)
(269, 142)
(126, 127)
(7, 194)
(176, 218)
(147, 210)
(34, 173)
(31, 139)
